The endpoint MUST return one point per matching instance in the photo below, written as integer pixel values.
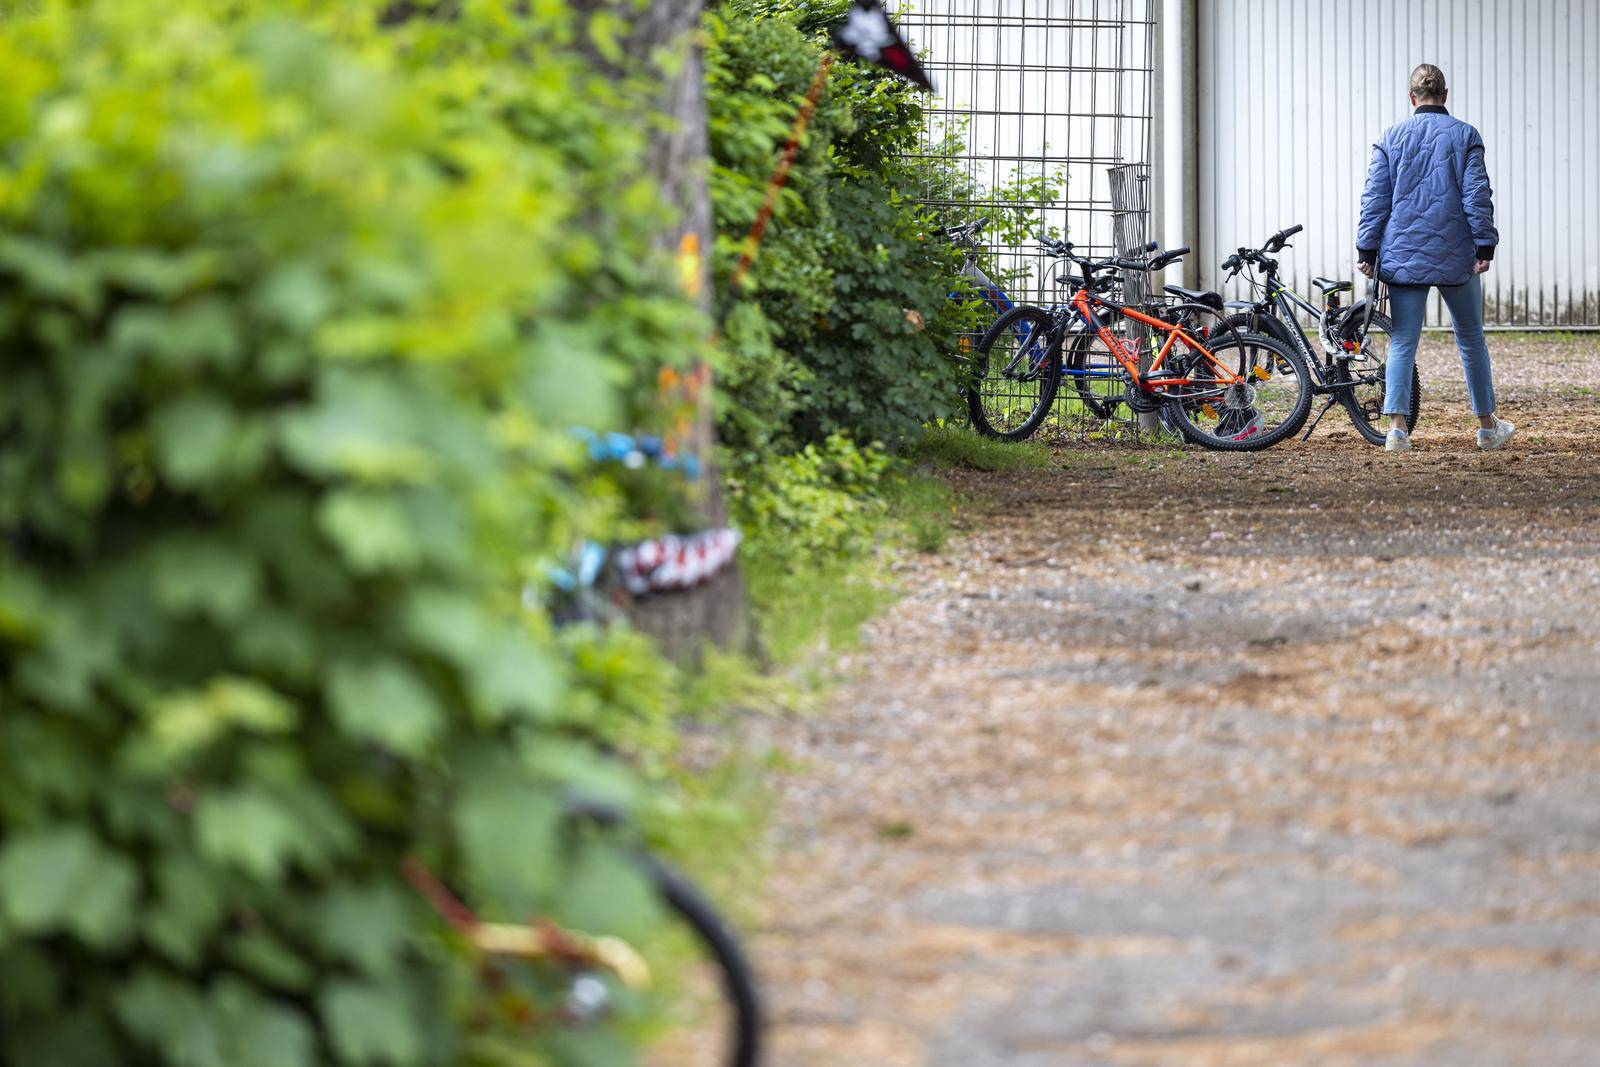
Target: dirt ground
(1214, 761)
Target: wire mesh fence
(1042, 123)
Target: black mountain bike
(1353, 340)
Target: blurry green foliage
(294, 309)
(820, 502)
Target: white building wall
(1293, 93)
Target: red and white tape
(667, 563)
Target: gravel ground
(1212, 761)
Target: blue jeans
(1409, 303)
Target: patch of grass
(895, 830)
(921, 509)
(961, 447)
(810, 607)
(726, 683)
(810, 611)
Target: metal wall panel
(1293, 93)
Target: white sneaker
(1397, 441)
(1489, 439)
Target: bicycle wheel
(1016, 372)
(689, 1000)
(1269, 401)
(736, 1040)
(1092, 370)
(1364, 400)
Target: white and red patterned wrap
(667, 563)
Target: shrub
(815, 504)
(820, 341)
(291, 314)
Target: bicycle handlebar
(1063, 250)
(967, 231)
(1276, 243)
(1281, 238)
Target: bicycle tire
(683, 899)
(1048, 379)
(1291, 425)
(686, 901)
(1375, 435)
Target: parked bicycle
(691, 979)
(1094, 380)
(1350, 362)
(1220, 386)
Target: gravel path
(1213, 761)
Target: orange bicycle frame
(1084, 304)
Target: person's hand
(1365, 268)
(1480, 266)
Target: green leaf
(512, 676)
(188, 909)
(186, 722)
(170, 1015)
(447, 622)
(367, 926)
(206, 576)
(63, 879)
(362, 425)
(296, 296)
(370, 1024)
(383, 701)
(264, 956)
(507, 826)
(50, 271)
(277, 642)
(231, 1026)
(605, 893)
(259, 1032)
(200, 440)
(605, 29)
(203, 332)
(24, 605)
(372, 530)
(247, 828)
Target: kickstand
(1332, 400)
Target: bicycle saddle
(1196, 296)
(1329, 285)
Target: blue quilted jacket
(1428, 211)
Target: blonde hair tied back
(1427, 81)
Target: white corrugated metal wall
(1292, 94)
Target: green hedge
(293, 308)
(820, 342)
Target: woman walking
(1427, 221)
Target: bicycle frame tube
(1288, 300)
(987, 290)
(1085, 305)
(1287, 303)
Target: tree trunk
(717, 611)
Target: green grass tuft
(961, 447)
